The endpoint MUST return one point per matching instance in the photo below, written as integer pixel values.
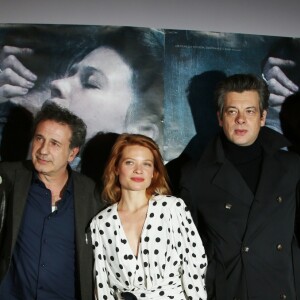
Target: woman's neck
(133, 201)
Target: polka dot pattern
(171, 261)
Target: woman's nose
(138, 169)
(60, 88)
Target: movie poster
(194, 64)
(157, 82)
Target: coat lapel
(21, 189)
(262, 209)
(229, 180)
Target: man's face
(241, 119)
(51, 148)
(98, 89)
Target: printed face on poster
(157, 82)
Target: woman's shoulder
(167, 201)
(106, 213)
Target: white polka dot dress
(171, 261)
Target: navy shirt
(43, 263)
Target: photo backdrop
(158, 82)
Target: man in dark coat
(45, 211)
(242, 193)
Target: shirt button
(283, 296)
(228, 206)
(43, 265)
(279, 199)
(279, 247)
(245, 249)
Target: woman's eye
(92, 80)
(92, 84)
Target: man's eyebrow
(55, 141)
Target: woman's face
(135, 169)
(98, 89)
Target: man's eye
(55, 144)
(251, 111)
(231, 112)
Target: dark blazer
(14, 186)
(248, 238)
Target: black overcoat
(248, 238)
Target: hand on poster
(15, 78)
(280, 86)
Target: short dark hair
(54, 112)
(240, 83)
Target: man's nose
(240, 118)
(43, 148)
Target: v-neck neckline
(142, 231)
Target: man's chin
(40, 168)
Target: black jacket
(15, 180)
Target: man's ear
(73, 154)
(263, 118)
(219, 119)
